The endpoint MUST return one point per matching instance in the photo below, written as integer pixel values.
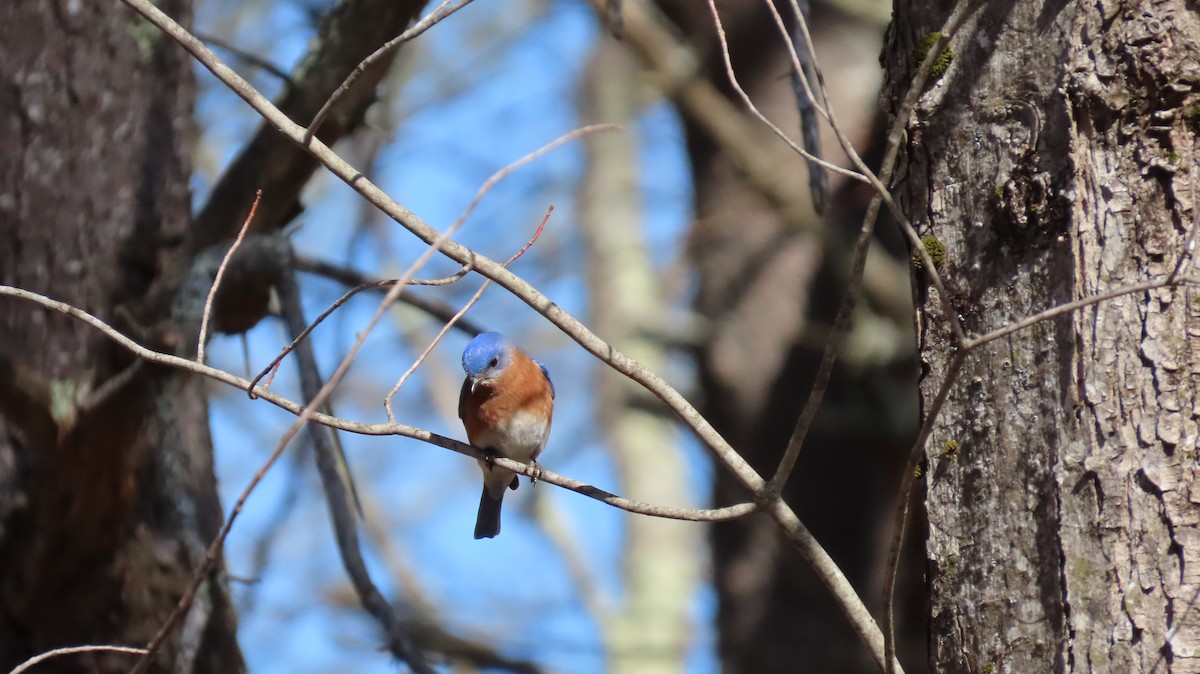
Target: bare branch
(212, 292)
(71, 650)
(1069, 307)
(367, 285)
(249, 57)
(353, 277)
(383, 429)
(387, 401)
(845, 313)
(348, 32)
(440, 12)
(904, 498)
(338, 485)
(842, 322)
(109, 388)
(360, 282)
(787, 140)
(504, 173)
(895, 134)
(673, 67)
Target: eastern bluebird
(506, 404)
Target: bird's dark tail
(487, 522)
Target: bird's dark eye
(494, 363)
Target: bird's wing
(542, 367)
(462, 396)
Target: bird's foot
(535, 471)
(489, 458)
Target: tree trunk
(648, 631)
(1054, 160)
(107, 495)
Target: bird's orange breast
(523, 391)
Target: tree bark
(107, 495)
(1054, 160)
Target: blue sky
(486, 87)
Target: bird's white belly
(520, 438)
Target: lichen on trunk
(1053, 160)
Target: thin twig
(723, 41)
(362, 283)
(247, 56)
(953, 24)
(895, 134)
(387, 402)
(212, 292)
(801, 537)
(842, 321)
(673, 66)
(1067, 308)
(109, 388)
(387, 48)
(536, 154)
(71, 650)
(675, 70)
(338, 485)
(483, 190)
(353, 277)
(904, 499)
(271, 367)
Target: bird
(506, 405)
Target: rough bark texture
(1053, 160)
(107, 500)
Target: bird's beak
(474, 383)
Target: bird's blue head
(486, 356)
